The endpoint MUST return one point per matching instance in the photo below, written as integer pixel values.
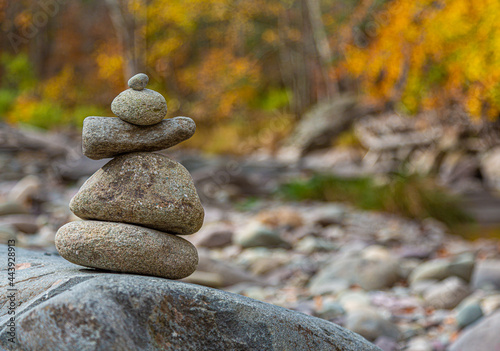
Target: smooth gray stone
(63, 308)
(142, 107)
(138, 82)
(370, 274)
(142, 188)
(487, 275)
(468, 314)
(370, 324)
(126, 248)
(446, 294)
(483, 335)
(106, 137)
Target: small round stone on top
(139, 105)
(139, 81)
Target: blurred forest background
(249, 72)
(225, 62)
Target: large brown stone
(126, 248)
(143, 188)
(104, 137)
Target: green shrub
(7, 98)
(18, 72)
(411, 196)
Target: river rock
(256, 234)
(370, 274)
(106, 137)
(480, 336)
(146, 189)
(461, 266)
(126, 248)
(370, 324)
(446, 294)
(214, 235)
(138, 82)
(468, 313)
(490, 167)
(62, 307)
(487, 275)
(142, 107)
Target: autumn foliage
(425, 54)
(226, 61)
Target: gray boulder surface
(65, 307)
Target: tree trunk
(322, 46)
(127, 29)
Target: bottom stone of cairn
(126, 248)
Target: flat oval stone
(126, 248)
(138, 82)
(106, 137)
(142, 107)
(142, 188)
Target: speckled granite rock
(63, 308)
(104, 137)
(143, 188)
(139, 81)
(142, 107)
(126, 248)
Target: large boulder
(321, 125)
(64, 307)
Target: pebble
(370, 274)
(490, 304)
(483, 335)
(21, 222)
(7, 232)
(386, 343)
(141, 107)
(487, 275)
(431, 270)
(468, 313)
(213, 236)
(354, 300)
(146, 189)
(106, 137)
(461, 266)
(11, 208)
(446, 294)
(330, 310)
(256, 234)
(371, 325)
(139, 81)
(419, 344)
(126, 248)
(24, 190)
(329, 215)
(311, 244)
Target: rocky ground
(402, 284)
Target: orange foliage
(429, 53)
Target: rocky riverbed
(402, 284)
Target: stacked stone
(135, 206)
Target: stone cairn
(135, 205)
